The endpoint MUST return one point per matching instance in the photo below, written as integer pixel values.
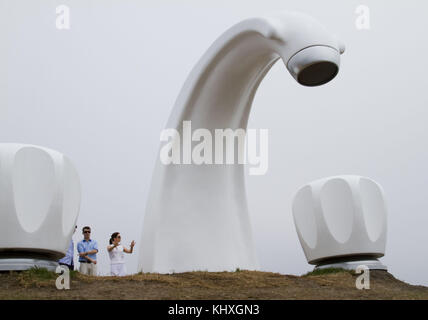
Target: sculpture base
(350, 263)
(19, 259)
(21, 264)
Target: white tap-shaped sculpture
(197, 217)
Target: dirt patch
(337, 284)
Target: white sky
(102, 91)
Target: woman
(117, 256)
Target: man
(68, 259)
(88, 250)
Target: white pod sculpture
(197, 217)
(39, 205)
(341, 222)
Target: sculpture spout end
(315, 65)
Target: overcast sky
(102, 91)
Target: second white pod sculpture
(197, 216)
(39, 205)
(341, 222)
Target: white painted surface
(197, 216)
(349, 216)
(39, 199)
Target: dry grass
(327, 284)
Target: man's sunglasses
(86, 231)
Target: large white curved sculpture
(197, 217)
(341, 222)
(39, 205)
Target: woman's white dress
(117, 258)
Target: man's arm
(91, 260)
(80, 250)
(94, 250)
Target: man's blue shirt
(85, 246)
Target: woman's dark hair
(114, 235)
